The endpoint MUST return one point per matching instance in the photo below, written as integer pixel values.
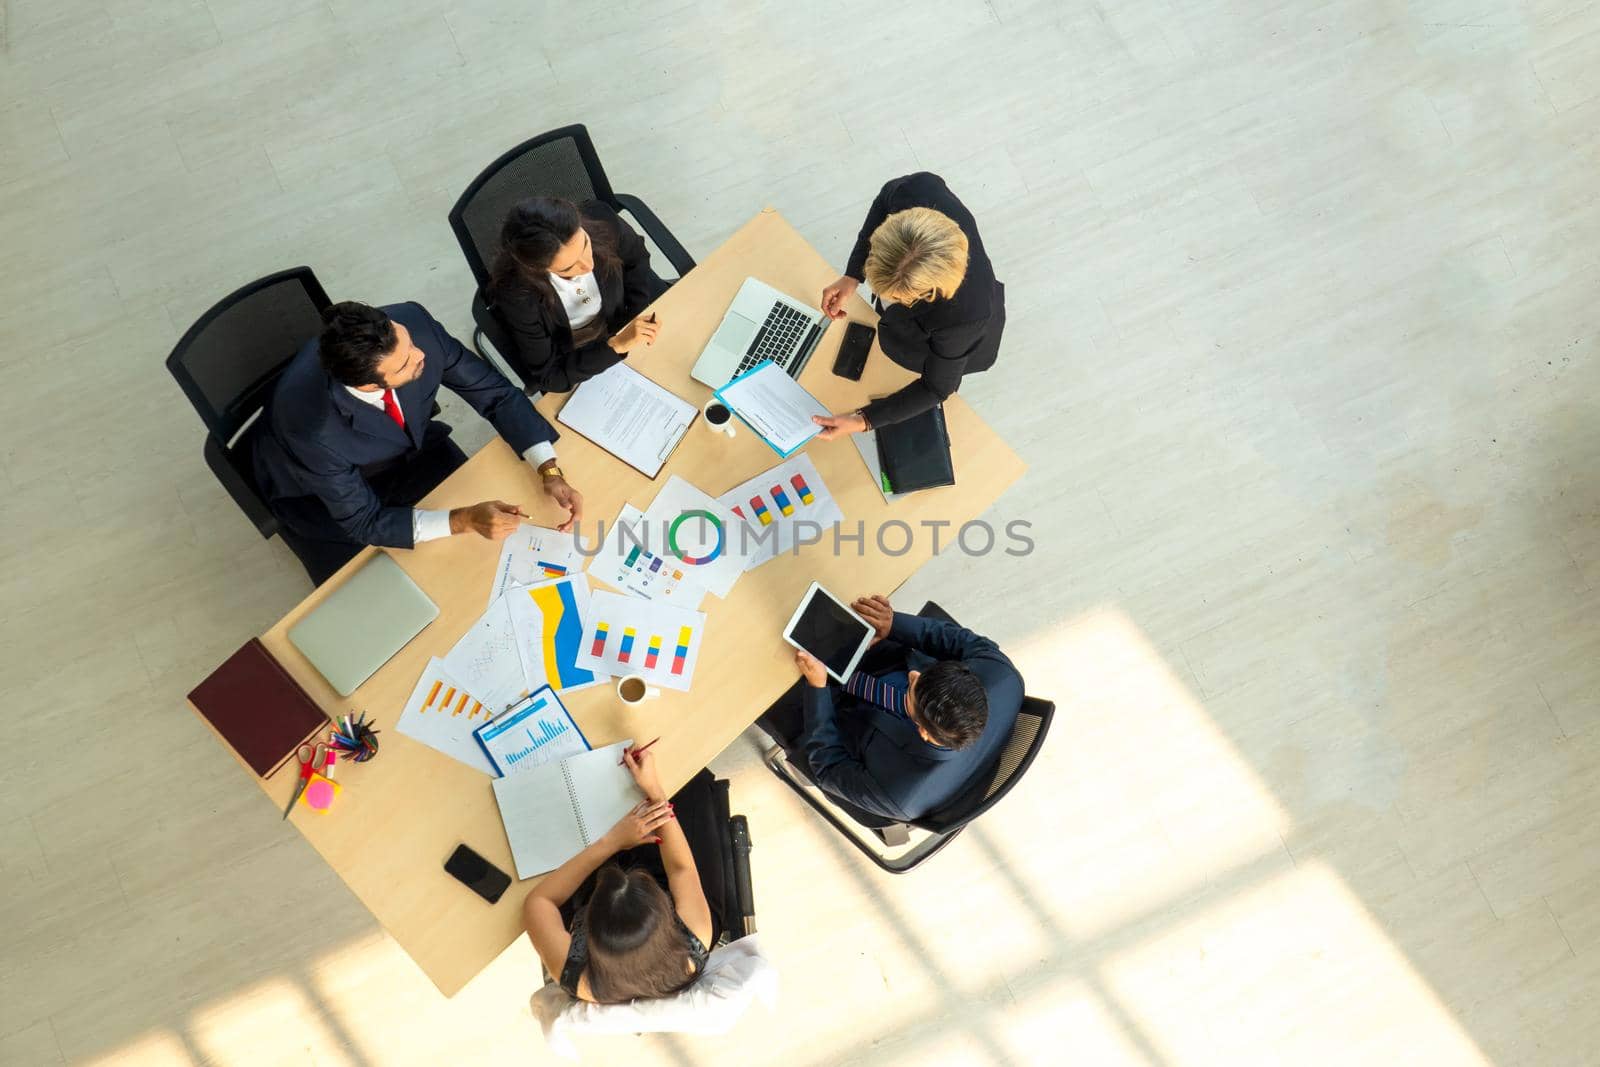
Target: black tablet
(823, 626)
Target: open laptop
(761, 324)
(363, 623)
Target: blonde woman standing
(941, 309)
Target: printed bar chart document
(539, 731)
(629, 416)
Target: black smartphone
(852, 357)
(477, 874)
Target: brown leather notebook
(257, 708)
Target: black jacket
(545, 355)
(941, 339)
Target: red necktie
(392, 406)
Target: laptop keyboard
(777, 340)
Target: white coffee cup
(718, 417)
(632, 690)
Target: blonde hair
(916, 254)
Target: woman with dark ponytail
(569, 281)
(629, 916)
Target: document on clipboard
(629, 416)
(775, 406)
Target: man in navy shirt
(926, 714)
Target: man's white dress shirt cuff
(430, 525)
(540, 454)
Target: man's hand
(836, 426)
(639, 331)
(494, 519)
(876, 610)
(567, 497)
(811, 669)
(834, 296)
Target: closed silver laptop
(363, 623)
(761, 324)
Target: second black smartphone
(477, 874)
(852, 357)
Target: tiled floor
(1301, 355)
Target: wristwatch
(551, 471)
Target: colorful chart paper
(776, 503)
(669, 637)
(625, 561)
(534, 554)
(549, 620)
(442, 715)
(697, 533)
(539, 731)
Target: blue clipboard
(724, 402)
(519, 713)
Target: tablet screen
(829, 632)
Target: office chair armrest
(242, 490)
(680, 259)
(739, 832)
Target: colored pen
(636, 751)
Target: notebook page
(541, 824)
(603, 787)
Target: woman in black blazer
(562, 263)
(941, 309)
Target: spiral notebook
(554, 811)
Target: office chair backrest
(1027, 737)
(228, 360)
(559, 163)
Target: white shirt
(430, 524)
(579, 312)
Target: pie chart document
(695, 531)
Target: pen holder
(356, 740)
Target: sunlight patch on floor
(1291, 971)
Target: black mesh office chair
(559, 163)
(1027, 737)
(227, 364)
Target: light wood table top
(400, 816)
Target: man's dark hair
(355, 337)
(951, 704)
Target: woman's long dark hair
(534, 231)
(635, 947)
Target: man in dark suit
(928, 711)
(349, 443)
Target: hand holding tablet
(831, 632)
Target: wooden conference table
(400, 816)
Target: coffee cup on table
(718, 418)
(632, 690)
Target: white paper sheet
(442, 715)
(775, 503)
(625, 561)
(534, 554)
(695, 530)
(775, 406)
(486, 661)
(629, 416)
(626, 635)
